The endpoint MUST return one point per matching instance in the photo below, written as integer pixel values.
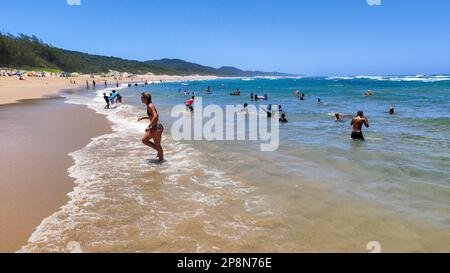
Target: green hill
(29, 52)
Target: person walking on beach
(106, 84)
(357, 123)
(155, 130)
(94, 83)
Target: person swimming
(283, 118)
(357, 123)
(368, 93)
(236, 93)
(337, 117)
(392, 111)
(319, 101)
(155, 130)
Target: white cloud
(74, 2)
(374, 2)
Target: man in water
(357, 123)
(283, 118)
(392, 111)
(252, 97)
(107, 100)
(319, 101)
(337, 117)
(189, 104)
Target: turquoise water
(404, 164)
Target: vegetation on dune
(28, 52)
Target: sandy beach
(12, 89)
(36, 137)
(37, 134)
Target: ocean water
(320, 191)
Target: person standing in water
(357, 123)
(106, 98)
(190, 103)
(94, 83)
(392, 111)
(155, 130)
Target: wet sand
(36, 137)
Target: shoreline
(13, 90)
(414, 239)
(28, 196)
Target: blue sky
(312, 37)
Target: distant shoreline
(12, 90)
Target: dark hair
(147, 96)
(360, 113)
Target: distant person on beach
(94, 84)
(106, 84)
(106, 100)
(190, 104)
(155, 130)
(357, 123)
(392, 111)
(117, 84)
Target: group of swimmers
(113, 98)
(299, 95)
(255, 97)
(236, 93)
(155, 129)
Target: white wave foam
(115, 197)
(417, 78)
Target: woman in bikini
(155, 130)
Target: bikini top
(150, 113)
